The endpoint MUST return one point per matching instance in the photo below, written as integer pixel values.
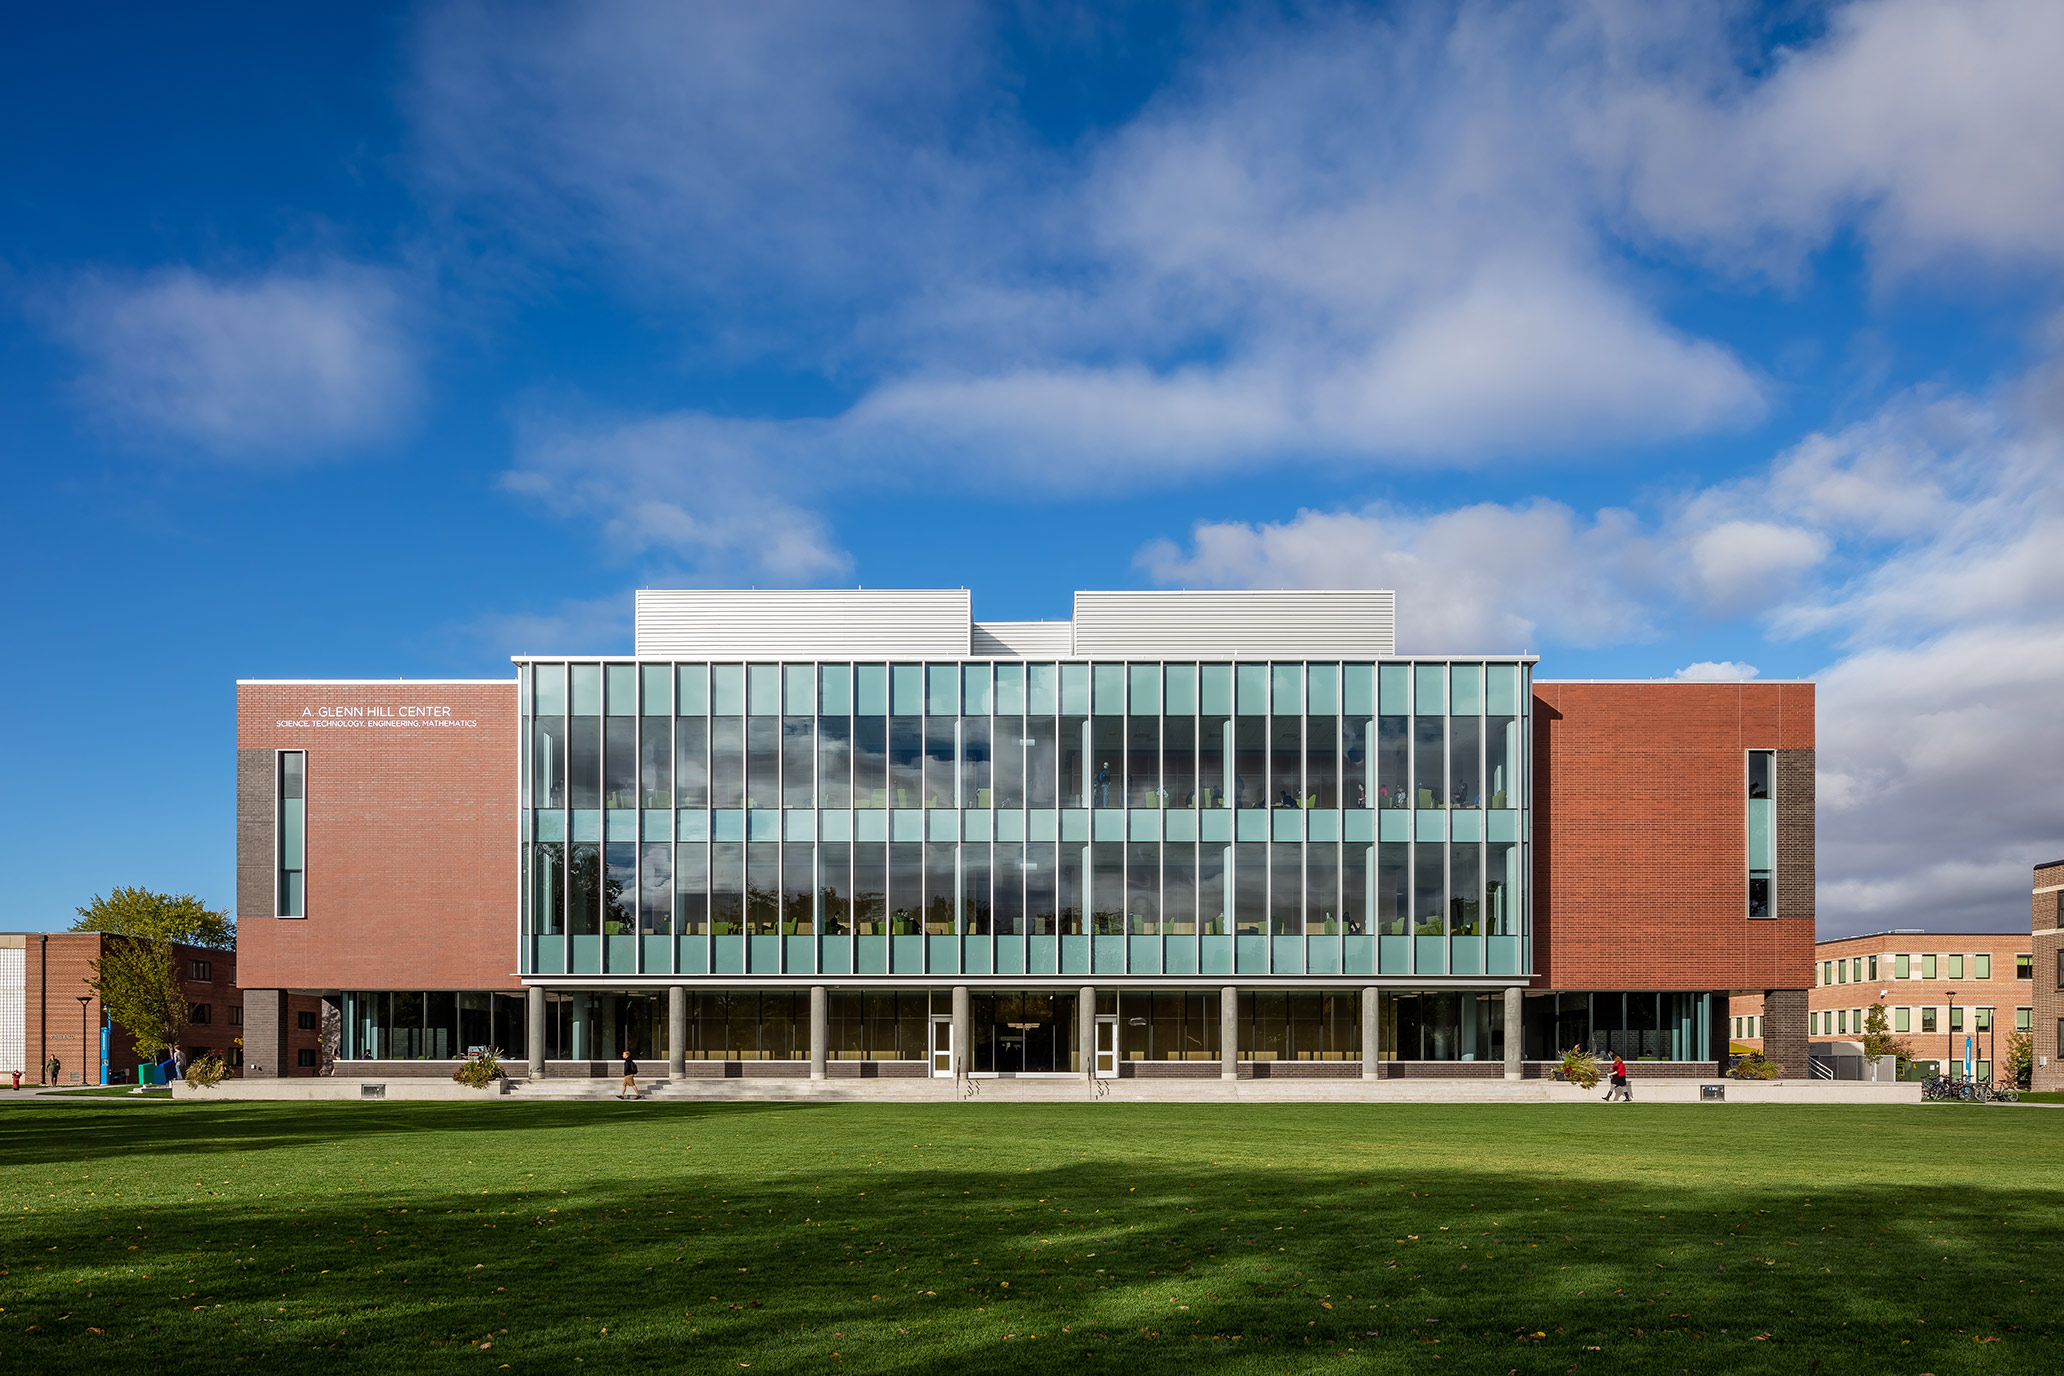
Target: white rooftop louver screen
(1252, 625)
(700, 623)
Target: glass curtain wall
(670, 807)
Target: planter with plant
(1579, 1067)
(206, 1073)
(1754, 1067)
(480, 1071)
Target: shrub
(206, 1073)
(478, 1072)
(1754, 1067)
(1580, 1068)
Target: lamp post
(1949, 1032)
(84, 1055)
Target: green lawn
(163, 1237)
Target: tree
(158, 917)
(139, 987)
(2020, 1057)
(1879, 1041)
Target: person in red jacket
(1619, 1088)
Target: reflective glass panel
(798, 762)
(835, 887)
(1286, 889)
(1143, 888)
(1429, 746)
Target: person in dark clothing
(630, 1078)
(1619, 1088)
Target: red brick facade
(412, 854)
(1640, 836)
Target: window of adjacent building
(1874, 969)
(2024, 966)
(1981, 967)
(1956, 967)
(1902, 1020)
(2060, 1038)
(2024, 1019)
(304, 1057)
(236, 1016)
(291, 819)
(1902, 967)
(305, 1021)
(197, 969)
(1755, 1030)
(1956, 1019)
(1762, 823)
(1982, 1020)
(1927, 1020)
(1842, 1020)
(1927, 967)
(199, 1014)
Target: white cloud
(272, 366)
(1346, 239)
(1933, 128)
(1716, 671)
(793, 153)
(711, 493)
(1745, 565)
(1375, 237)
(1477, 579)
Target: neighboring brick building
(2046, 940)
(43, 975)
(1182, 833)
(1937, 988)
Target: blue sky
(1707, 339)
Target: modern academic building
(858, 833)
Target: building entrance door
(1107, 1048)
(942, 1046)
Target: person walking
(630, 1078)
(1619, 1088)
(179, 1062)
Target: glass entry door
(1107, 1048)
(942, 1045)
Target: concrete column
(1513, 1034)
(676, 1032)
(961, 1025)
(1085, 1029)
(534, 1030)
(1228, 1033)
(820, 1030)
(1372, 1063)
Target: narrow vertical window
(1761, 825)
(292, 828)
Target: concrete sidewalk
(1070, 1090)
